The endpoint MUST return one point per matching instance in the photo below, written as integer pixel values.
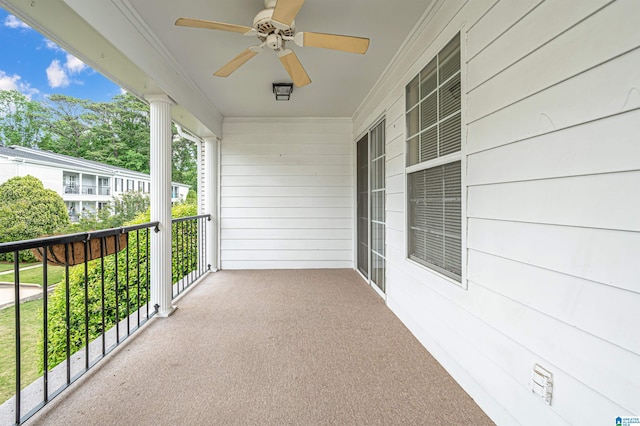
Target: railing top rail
(184, 219)
(70, 238)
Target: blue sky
(37, 67)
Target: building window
(119, 185)
(130, 185)
(174, 192)
(103, 186)
(140, 186)
(434, 172)
(148, 187)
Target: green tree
(120, 132)
(184, 164)
(68, 123)
(29, 210)
(22, 121)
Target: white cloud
(8, 82)
(13, 82)
(56, 75)
(13, 22)
(52, 46)
(74, 65)
(123, 91)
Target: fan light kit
(282, 91)
(275, 27)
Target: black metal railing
(189, 251)
(102, 298)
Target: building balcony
(87, 190)
(270, 347)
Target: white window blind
(435, 219)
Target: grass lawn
(34, 275)
(8, 266)
(31, 325)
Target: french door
(370, 183)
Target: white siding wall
(552, 207)
(50, 177)
(286, 194)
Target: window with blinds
(435, 219)
(434, 143)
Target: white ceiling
(340, 81)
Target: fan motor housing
(262, 23)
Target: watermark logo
(627, 421)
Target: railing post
(210, 199)
(161, 285)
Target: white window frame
(450, 158)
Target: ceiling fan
(274, 27)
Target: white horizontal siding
(585, 201)
(285, 191)
(285, 160)
(314, 170)
(552, 109)
(604, 256)
(282, 244)
(549, 155)
(606, 90)
(581, 303)
(286, 180)
(504, 14)
(271, 234)
(277, 202)
(528, 35)
(286, 194)
(287, 212)
(287, 264)
(286, 223)
(283, 255)
(568, 55)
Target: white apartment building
(85, 186)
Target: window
(130, 184)
(148, 187)
(103, 186)
(434, 167)
(119, 185)
(140, 186)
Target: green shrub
(29, 210)
(57, 304)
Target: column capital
(211, 139)
(161, 97)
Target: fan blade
(285, 11)
(293, 66)
(235, 63)
(333, 41)
(211, 25)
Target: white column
(161, 285)
(210, 198)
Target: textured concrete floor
(270, 348)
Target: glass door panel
(363, 205)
